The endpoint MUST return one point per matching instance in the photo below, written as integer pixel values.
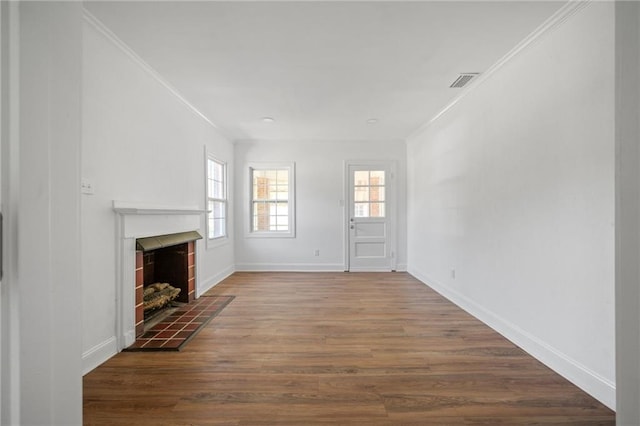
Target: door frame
(391, 210)
(9, 193)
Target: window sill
(271, 235)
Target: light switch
(86, 186)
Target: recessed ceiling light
(268, 120)
(372, 121)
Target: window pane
(361, 193)
(260, 188)
(282, 209)
(210, 232)
(376, 210)
(218, 210)
(361, 210)
(361, 178)
(271, 175)
(282, 223)
(218, 171)
(218, 191)
(283, 177)
(261, 216)
(209, 188)
(377, 177)
(376, 193)
(283, 193)
(219, 228)
(272, 192)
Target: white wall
(319, 212)
(513, 187)
(141, 144)
(47, 279)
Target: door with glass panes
(370, 208)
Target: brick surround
(175, 265)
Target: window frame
(221, 239)
(291, 202)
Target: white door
(370, 217)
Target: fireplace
(135, 222)
(165, 271)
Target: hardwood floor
(336, 348)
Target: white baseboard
(369, 269)
(211, 282)
(99, 354)
(401, 267)
(290, 267)
(595, 385)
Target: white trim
(223, 239)
(215, 243)
(104, 30)
(392, 217)
(291, 201)
(99, 354)
(124, 207)
(369, 269)
(213, 281)
(591, 382)
(10, 369)
(555, 21)
(137, 220)
(289, 267)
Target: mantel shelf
(128, 208)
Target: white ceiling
(320, 69)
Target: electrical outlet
(316, 252)
(453, 274)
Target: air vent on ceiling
(464, 79)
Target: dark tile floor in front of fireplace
(179, 327)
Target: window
(216, 199)
(369, 194)
(272, 200)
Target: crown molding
(555, 21)
(113, 38)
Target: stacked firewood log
(159, 295)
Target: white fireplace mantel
(139, 220)
(125, 207)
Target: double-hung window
(272, 200)
(216, 199)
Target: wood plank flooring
(336, 348)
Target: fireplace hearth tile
(181, 326)
(165, 334)
(154, 343)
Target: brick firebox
(174, 265)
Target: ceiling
(320, 69)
